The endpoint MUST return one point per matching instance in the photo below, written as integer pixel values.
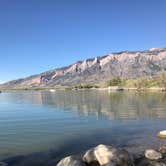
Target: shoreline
(137, 154)
(114, 89)
(85, 157)
(106, 155)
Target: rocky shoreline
(100, 155)
(105, 155)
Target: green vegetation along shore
(158, 82)
(142, 83)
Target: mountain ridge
(125, 64)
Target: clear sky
(38, 35)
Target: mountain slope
(100, 69)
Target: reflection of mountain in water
(115, 105)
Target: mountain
(126, 64)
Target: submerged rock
(152, 154)
(71, 161)
(108, 156)
(110, 164)
(157, 164)
(162, 149)
(3, 164)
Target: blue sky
(38, 35)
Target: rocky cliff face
(100, 69)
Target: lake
(45, 126)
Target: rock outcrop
(152, 154)
(104, 154)
(162, 134)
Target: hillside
(125, 64)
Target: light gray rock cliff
(100, 69)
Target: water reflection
(66, 122)
(114, 105)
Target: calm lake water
(56, 124)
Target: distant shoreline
(110, 89)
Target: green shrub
(139, 83)
(162, 80)
(115, 82)
(87, 86)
